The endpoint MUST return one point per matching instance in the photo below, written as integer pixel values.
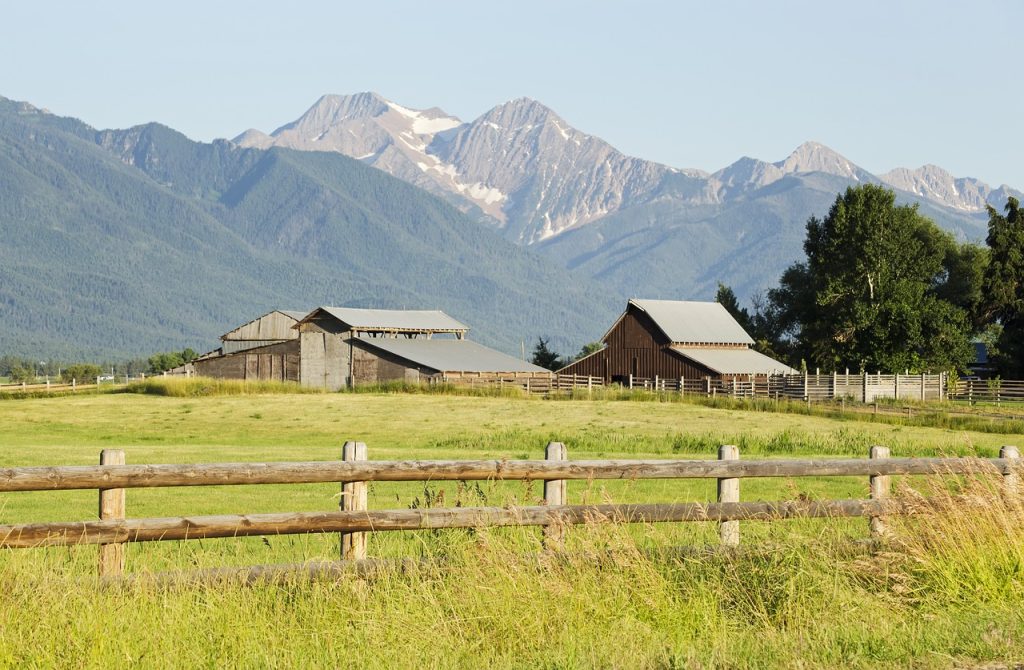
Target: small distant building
(344, 347)
(266, 348)
(981, 367)
(674, 339)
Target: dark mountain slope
(124, 242)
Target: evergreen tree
(544, 357)
(1004, 287)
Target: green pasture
(799, 599)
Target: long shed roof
(694, 322)
(450, 355)
(394, 319)
(735, 361)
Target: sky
(692, 85)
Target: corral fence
(864, 387)
(48, 386)
(987, 390)
(355, 520)
(533, 383)
(74, 385)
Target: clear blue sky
(886, 84)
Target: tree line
(21, 369)
(883, 288)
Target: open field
(941, 596)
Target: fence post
(112, 507)
(896, 390)
(922, 388)
(1011, 480)
(707, 381)
(555, 493)
(682, 386)
(728, 492)
(631, 381)
(880, 486)
(864, 388)
(807, 395)
(353, 499)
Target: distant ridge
(536, 177)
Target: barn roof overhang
(450, 355)
(732, 361)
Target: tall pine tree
(1004, 287)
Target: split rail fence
(354, 520)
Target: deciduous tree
(870, 294)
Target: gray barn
(343, 347)
(266, 348)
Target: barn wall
(279, 362)
(636, 346)
(372, 366)
(273, 326)
(325, 352)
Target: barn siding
(272, 326)
(371, 366)
(279, 362)
(636, 346)
(325, 352)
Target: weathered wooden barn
(266, 348)
(344, 347)
(674, 339)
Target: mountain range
(642, 227)
(124, 242)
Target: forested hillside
(127, 242)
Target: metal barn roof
(450, 355)
(692, 322)
(735, 361)
(395, 319)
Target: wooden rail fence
(354, 520)
(864, 387)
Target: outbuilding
(344, 346)
(266, 348)
(676, 339)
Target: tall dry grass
(944, 590)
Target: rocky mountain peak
(816, 157)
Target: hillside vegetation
(121, 243)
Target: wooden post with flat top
(728, 492)
(353, 499)
(112, 507)
(555, 493)
(1011, 480)
(880, 486)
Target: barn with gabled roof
(266, 348)
(344, 347)
(676, 339)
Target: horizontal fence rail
(70, 477)
(354, 520)
(289, 523)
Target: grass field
(945, 593)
